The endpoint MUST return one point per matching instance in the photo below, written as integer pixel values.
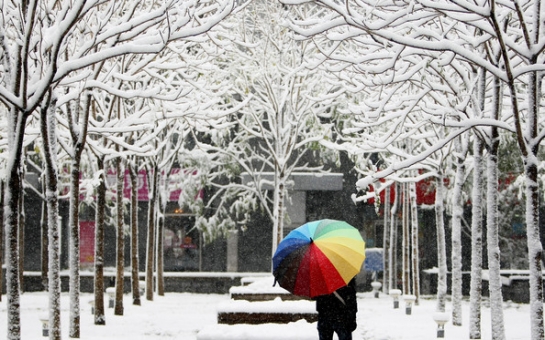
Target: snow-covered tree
(513, 29)
(288, 101)
(402, 115)
(41, 46)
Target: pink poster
(87, 243)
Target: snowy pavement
(184, 315)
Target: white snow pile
(300, 330)
(186, 316)
(274, 306)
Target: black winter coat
(331, 310)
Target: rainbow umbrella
(318, 258)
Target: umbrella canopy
(318, 258)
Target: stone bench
(260, 312)
(515, 284)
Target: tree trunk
(535, 248)
(45, 241)
(2, 188)
(48, 132)
(11, 199)
(475, 293)
(162, 198)
(160, 251)
(535, 251)
(150, 253)
(456, 223)
(100, 318)
(135, 279)
(79, 137)
(441, 246)
(120, 236)
(386, 241)
(406, 242)
(162, 201)
(392, 250)
(11, 224)
(492, 238)
(278, 208)
(21, 235)
(74, 251)
(414, 244)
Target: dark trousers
(326, 332)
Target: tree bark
(48, 132)
(100, 318)
(11, 224)
(74, 248)
(135, 279)
(45, 241)
(493, 248)
(535, 248)
(392, 249)
(278, 207)
(475, 293)
(462, 147)
(386, 241)
(21, 234)
(2, 188)
(79, 138)
(492, 228)
(414, 244)
(535, 251)
(161, 209)
(160, 250)
(150, 253)
(441, 245)
(406, 242)
(120, 236)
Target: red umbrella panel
(318, 258)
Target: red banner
(425, 192)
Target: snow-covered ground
(184, 315)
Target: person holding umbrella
(320, 260)
(337, 312)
